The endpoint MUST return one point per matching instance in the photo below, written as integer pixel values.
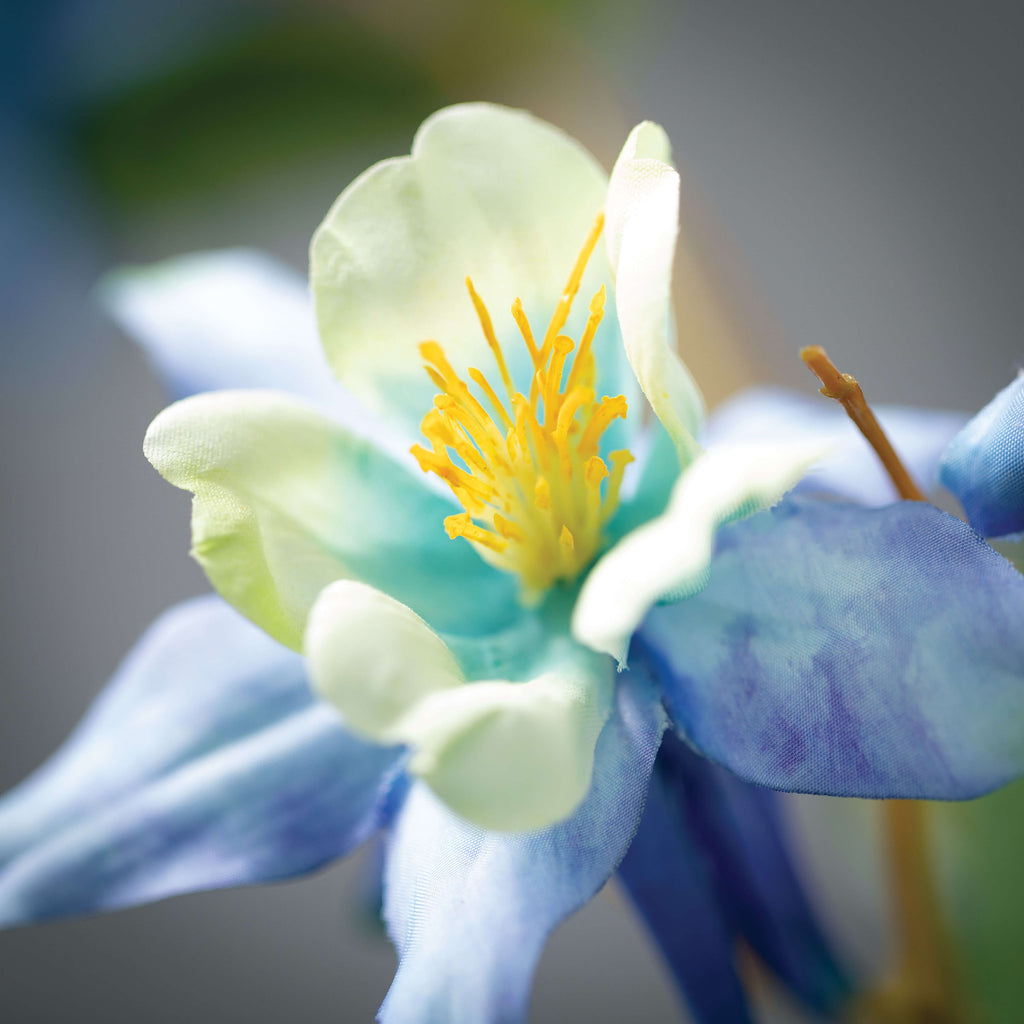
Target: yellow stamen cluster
(526, 468)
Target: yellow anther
(542, 493)
(596, 471)
(608, 410)
(535, 492)
(553, 383)
(462, 526)
(488, 328)
(620, 460)
(506, 528)
(481, 381)
(579, 366)
(572, 286)
(525, 330)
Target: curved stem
(924, 989)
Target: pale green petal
(286, 501)
(511, 756)
(374, 658)
(669, 557)
(642, 218)
(487, 192)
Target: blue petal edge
(850, 652)
(469, 911)
(984, 465)
(205, 763)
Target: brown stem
(924, 989)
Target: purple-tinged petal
(739, 827)
(851, 652)
(852, 470)
(670, 879)
(470, 910)
(207, 762)
(984, 464)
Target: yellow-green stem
(923, 990)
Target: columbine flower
(469, 634)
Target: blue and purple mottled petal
(740, 828)
(852, 470)
(205, 763)
(469, 910)
(984, 464)
(852, 652)
(671, 881)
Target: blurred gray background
(852, 179)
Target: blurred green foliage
(280, 93)
(988, 865)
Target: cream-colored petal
(513, 756)
(669, 558)
(287, 501)
(488, 192)
(374, 658)
(642, 222)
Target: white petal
(487, 192)
(374, 658)
(642, 216)
(287, 501)
(511, 756)
(670, 557)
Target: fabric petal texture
(641, 229)
(984, 465)
(852, 653)
(669, 557)
(286, 502)
(207, 762)
(489, 193)
(469, 910)
(851, 469)
(511, 756)
(374, 659)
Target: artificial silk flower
(470, 623)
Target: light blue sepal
(230, 319)
(205, 763)
(851, 652)
(469, 910)
(852, 469)
(984, 465)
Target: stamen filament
(535, 491)
(492, 340)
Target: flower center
(526, 468)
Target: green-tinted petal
(287, 501)
(642, 217)
(670, 556)
(374, 658)
(511, 756)
(488, 192)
